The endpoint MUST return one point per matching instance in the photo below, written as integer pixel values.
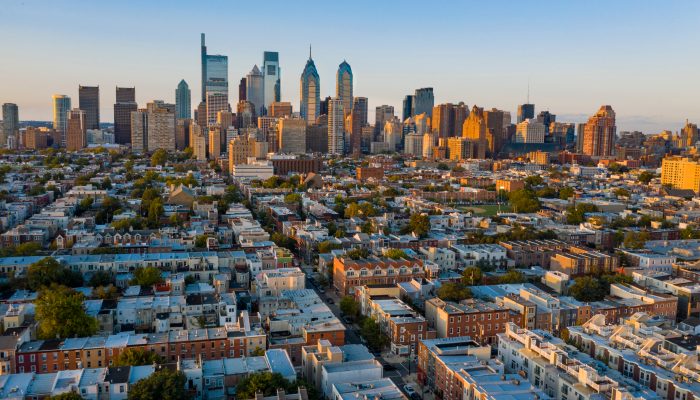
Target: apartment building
(349, 273)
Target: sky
(641, 57)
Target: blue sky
(639, 56)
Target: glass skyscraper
(310, 107)
(10, 121)
(61, 106)
(423, 101)
(343, 85)
(271, 78)
(254, 90)
(89, 101)
(183, 103)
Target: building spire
(309, 51)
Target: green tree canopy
(576, 215)
(645, 177)
(349, 306)
(137, 356)
(159, 157)
(66, 396)
(452, 291)
(147, 276)
(472, 276)
(47, 271)
(419, 224)
(265, 382)
(524, 201)
(566, 192)
(60, 313)
(161, 385)
(327, 246)
(370, 330)
(395, 254)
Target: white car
(410, 391)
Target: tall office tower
(225, 119)
(546, 118)
(268, 131)
(423, 123)
(239, 149)
(216, 101)
(353, 129)
(242, 89)
(367, 137)
(123, 107)
(495, 130)
(423, 101)
(382, 114)
(37, 138)
(61, 106)
(689, 134)
(203, 50)
(214, 142)
(139, 131)
(317, 136)
(681, 173)
(407, 107)
(343, 85)
(443, 120)
(324, 106)
(255, 92)
(160, 124)
(526, 111)
(393, 133)
(245, 113)
(280, 109)
(413, 144)
(579, 136)
(310, 103)
(271, 78)
(599, 133)
(182, 133)
(291, 136)
(336, 132)
(10, 122)
(76, 137)
(183, 102)
(89, 101)
(474, 129)
(361, 105)
(199, 142)
(562, 133)
(200, 114)
(530, 131)
(461, 111)
(217, 74)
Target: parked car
(410, 391)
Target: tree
(200, 241)
(576, 215)
(534, 180)
(327, 246)
(635, 240)
(137, 356)
(370, 330)
(587, 288)
(419, 224)
(258, 352)
(645, 177)
(452, 291)
(292, 198)
(512, 276)
(565, 193)
(147, 276)
(27, 249)
(395, 254)
(265, 382)
(155, 210)
(357, 253)
(100, 278)
(108, 292)
(60, 313)
(159, 157)
(349, 306)
(622, 192)
(162, 384)
(472, 276)
(66, 396)
(283, 240)
(47, 271)
(524, 201)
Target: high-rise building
(393, 134)
(529, 131)
(681, 173)
(268, 131)
(280, 109)
(546, 118)
(245, 112)
(161, 126)
(599, 133)
(317, 135)
(353, 129)
(324, 106)
(217, 74)
(200, 142)
(689, 134)
(423, 101)
(495, 130)
(413, 144)
(423, 124)
(271, 78)
(461, 113)
(475, 130)
(76, 137)
(291, 136)
(461, 149)
(310, 103)
(255, 92)
(336, 125)
(239, 149)
(36, 138)
(361, 106)
(203, 50)
(139, 131)
(242, 96)
(216, 101)
(214, 142)
(225, 119)
(526, 111)
(200, 114)
(407, 107)
(182, 133)
(382, 114)
(10, 122)
(562, 133)
(123, 107)
(443, 120)
(343, 85)
(61, 106)
(183, 102)
(89, 101)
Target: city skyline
(634, 68)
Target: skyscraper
(475, 129)
(217, 74)
(161, 126)
(139, 131)
(443, 120)
(76, 137)
(123, 107)
(599, 133)
(61, 106)
(242, 90)
(255, 92)
(280, 109)
(336, 119)
(546, 118)
(89, 101)
(529, 131)
(407, 107)
(310, 104)
(423, 101)
(271, 80)
(495, 130)
(382, 114)
(526, 111)
(324, 105)
(461, 113)
(689, 134)
(360, 105)
(183, 102)
(10, 122)
(216, 101)
(291, 136)
(343, 85)
(203, 49)
(353, 129)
